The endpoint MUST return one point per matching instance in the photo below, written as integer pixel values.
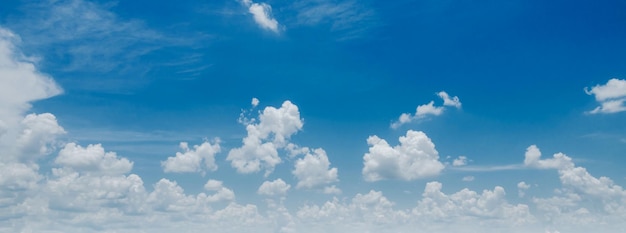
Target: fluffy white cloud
(221, 193)
(521, 188)
(191, 160)
(260, 146)
(423, 111)
(449, 101)
(332, 190)
(491, 205)
(21, 82)
(532, 159)
(567, 206)
(254, 102)
(314, 170)
(277, 187)
(414, 158)
(460, 161)
(262, 14)
(38, 136)
(611, 96)
(92, 159)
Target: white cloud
(414, 158)
(92, 159)
(460, 161)
(254, 102)
(259, 150)
(447, 101)
(21, 82)
(221, 193)
(578, 184)
(428, 109)
(425, 110)
(277, 187)
(38, 136)
(191, 160)
(491, 205)
(521, 188)
(468, 178)
(262, 14)
(314, 170)
(611, 96)
(333, 190)
(532, 159)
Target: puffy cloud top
(414, 158)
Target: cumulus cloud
(532, 158)
(449, 101)
(460, 161)
(425, 110)
(272, 132)
(521, 188)
(277, 187)
(191, 159)
(490, 204)
(611, 96)
(262, 14)
(254, 102)
(414, 158)
(578, 185)
(21, 82)
(314, 170)
(92, 159)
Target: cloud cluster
(191, 159)
(260, 147)
(425, 110)
(90, 189)
(415, 157)
(611, 96)
(313, 171)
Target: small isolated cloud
(272, 132)
(521, 188)
(190, 160)
(255, 102)
(277, 187)
(262, 14)
(414, 158)
(425, 110)
(448, 101)
(460, 161)
(468, 178)
(314, 170)
(611, 96)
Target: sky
(312, 116)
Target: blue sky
(312, 115)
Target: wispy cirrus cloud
(80, 36)
(348, 19)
